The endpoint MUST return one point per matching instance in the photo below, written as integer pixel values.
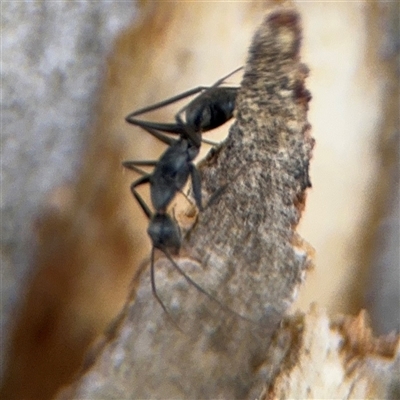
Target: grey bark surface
(243, 250)
(53, 55)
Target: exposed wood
(321, 359)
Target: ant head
(165, 233)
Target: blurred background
(73, 237)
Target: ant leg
(158, 135)
(215, 196)
(166, 102)
(218, 193)
(144, 179)
(133, 165)
(185, 196)
(224, 78)
(200, 289)
(196, 185)
(210, 142)
(155, 294)
(138, 170)
(154, 127)
(175, 129)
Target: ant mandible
(211, 108)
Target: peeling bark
(339, 359)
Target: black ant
(212, 108)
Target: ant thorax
(171, 173)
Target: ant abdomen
(211, 109)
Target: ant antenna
(224, 78)
(155, 294)
(200, 289)
(214, 85)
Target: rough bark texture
(243, 249)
